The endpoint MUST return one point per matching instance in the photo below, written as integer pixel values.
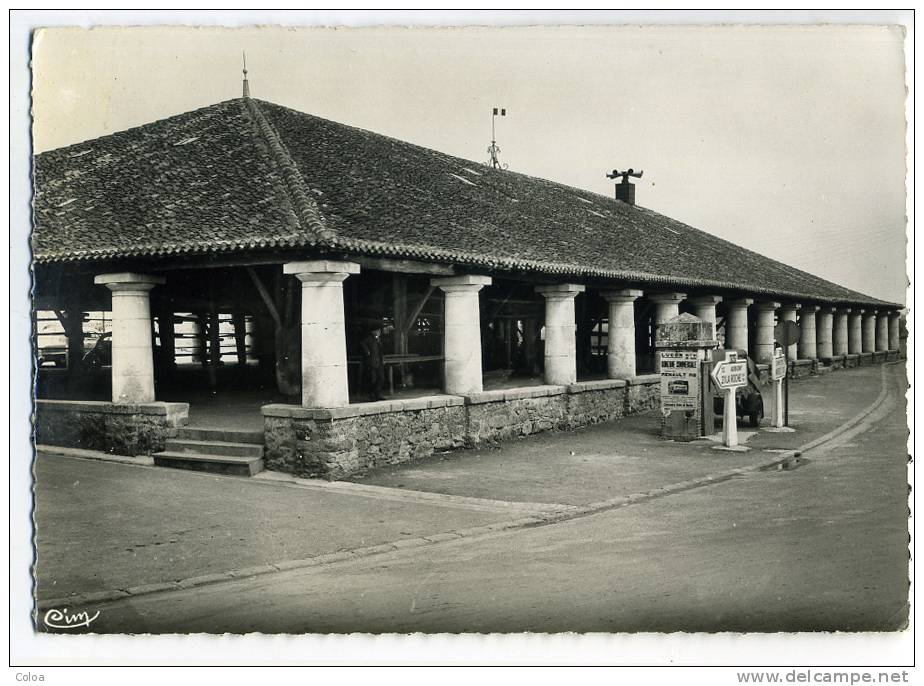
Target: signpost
(778, 368)
(786, 333)
(729, 374)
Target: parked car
(55, 356)
(748, 400)
(100, 355)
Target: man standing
(374, 361)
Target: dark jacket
(371, 348)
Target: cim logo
(62, 619)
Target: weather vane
(493, 150)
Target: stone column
(736, 324)
(560, 344)
(704, 308)
(462, 333)
(763, 342)
(882, 331)
(855, 332)
(324, 363)
(869, 332)
(620, 333)
(824, 333)
(788, 314)
(839, 342)
(132, 348)
(667, 305)
(808, 349)
(894, 318)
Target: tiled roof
(246, 174)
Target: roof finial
(246, 85)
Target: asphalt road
(821, 547)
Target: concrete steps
(202, 433)
(219, 451)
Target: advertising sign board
(679, 380)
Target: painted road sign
(778, 365)
(787, 332)
(730, 372)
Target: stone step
(204, 433)
(235, 465)
(190, 445)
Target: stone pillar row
(841, 329)
(869, 332)
(560, 343)
(788, 314)
(894, 318)
(855, 332)
(324, 361)
(763, 341)
(620, 346)
(808, 346)
(882, 331)
(736, 323)
(132, 349)
(462, 327)
(826, 331)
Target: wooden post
(200, 333)
(165, 326)
(240, 336)
(400, 310)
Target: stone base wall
(335, 443)
(504, 414)
(339, 442)
(851, 361)
(892, 355)
(120, 429)
(835, 362)
(865, 359)
(880, 356)
(799, 369)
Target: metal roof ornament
(493, 150)
(246, 84)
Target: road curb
(557, 517)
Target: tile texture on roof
(260, 175)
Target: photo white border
(29, 648)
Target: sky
(787, 140)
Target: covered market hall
(334, 299)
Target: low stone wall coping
(644, 380)
(802, 363)
(502, 394)
(866, 354)
(426, 402)
(852, 356)
(597, 385)
(104, 407)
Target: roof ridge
(307, 210)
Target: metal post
(730, 420)
(786, 381)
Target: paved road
(822, 547)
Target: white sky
(787, 140)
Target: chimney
(625, 191)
